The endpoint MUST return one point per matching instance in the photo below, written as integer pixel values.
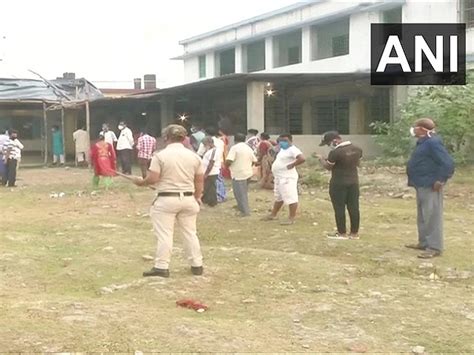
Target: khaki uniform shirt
(177, 167)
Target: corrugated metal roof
(51, 91)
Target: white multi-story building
(303, 69)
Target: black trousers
(9, 175)
(342, 196)
(209, 196)
(125, 159)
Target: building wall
(309, 144)
(358, 59)
(191, 69)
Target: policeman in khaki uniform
(177, 173)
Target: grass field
(70, 273)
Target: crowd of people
(183, 184)
(189, 169)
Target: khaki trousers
(164, 213)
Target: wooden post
(62, 131)
(45, 124)
(88, 120)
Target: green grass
(270, 288)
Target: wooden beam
(62, 131)
(88, 120)
(45, 124)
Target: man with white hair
(428, 170)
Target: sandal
(337, 236)
(429, 253)
(415, 246)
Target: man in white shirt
(252, 139)
(240, 160)
(11, 152)
(125, 145)
(212, 162)
(82, 143)
(109, 136)
(286, 178)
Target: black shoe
(197, 270)
(157, 272)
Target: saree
(103, 159)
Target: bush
(451, 107)
(314, 178)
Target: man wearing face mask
(343, 161)
(125, 148)
(286, 178)
(109, 136)
(428, 169)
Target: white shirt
(81, 138)
(282, 160)
(206, 159)
(242, 158)
(3, 139)
(125, 140)
(218, 143)
(109, 137)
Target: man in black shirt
(343, 161)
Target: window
(295, 118)
(378, 108)
(202, 66)
(467, 14)
(256, 56)
(227, 62)
(331, 40)
(294, 55)
(330, 114)
(393, 15)
(287, 49)
(340, 45)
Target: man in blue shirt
(428, 169)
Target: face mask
(412, 132)
(284, 145)
(120, 127)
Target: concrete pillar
(269, 64)
(307, 118)
(239, 68)
(210, 65)
(306, 44)
(217, 65)
(256, 106)
(399, 96)
(357, 115)
(167, 115)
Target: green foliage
(451, 107)
(314, 178)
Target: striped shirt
(12, 149)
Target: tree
(451, 107)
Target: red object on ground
(191, 304)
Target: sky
(112, 42)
